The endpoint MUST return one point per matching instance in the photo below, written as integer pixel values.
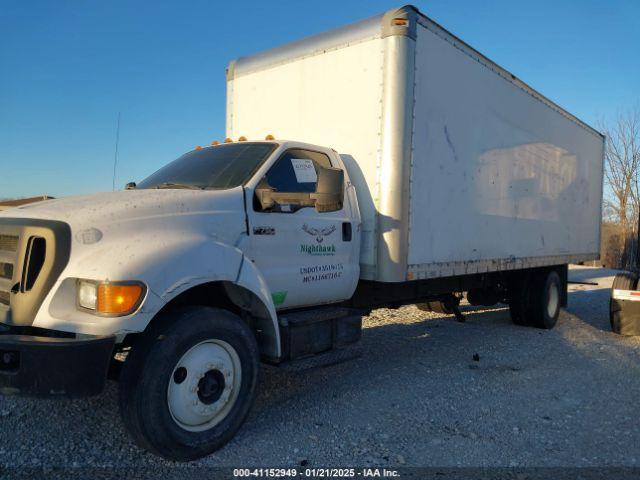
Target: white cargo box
(460, 167)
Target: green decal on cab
(278, 298)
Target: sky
(68, 68)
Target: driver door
(306, 257)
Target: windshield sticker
(304, 170)
(318, 273)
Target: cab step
(322, 360)
(310, 332)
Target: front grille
(33, 254)
(8, 243)
(8, 258)
(34, 260)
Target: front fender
(264, 309)
(244, 284)
(168, 267)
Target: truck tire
(535, 299)
(622, 281)
(545, 297)
(189, 383)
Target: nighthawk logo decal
(318, 248)
(319, 233)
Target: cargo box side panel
(499, 179)
(332, 99)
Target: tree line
(621, 207)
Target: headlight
(110, 298)
(87, 294)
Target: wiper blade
(178, 185)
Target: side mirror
(130, 186)
(263, 195)
(268, 199)
(329, 195)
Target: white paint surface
(331, 99)
(496, 174)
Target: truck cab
(238, 232)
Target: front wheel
(186, 388)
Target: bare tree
(622, 174)
(622, 163)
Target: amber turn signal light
(118, 299)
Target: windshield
(220, 167)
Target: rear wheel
(186, 388)
(535, 299)
(545, 300)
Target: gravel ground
(413, 397)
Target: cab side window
(300, 179)
(296, 171)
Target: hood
(127, 204)
(115, 210)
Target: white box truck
(404, 167)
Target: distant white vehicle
(416, 170)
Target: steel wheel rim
(204, 385)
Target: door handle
(346, 231)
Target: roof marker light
(228, 140)
(199, 147)
(215, 142)
(242, 139)
(269, 137)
